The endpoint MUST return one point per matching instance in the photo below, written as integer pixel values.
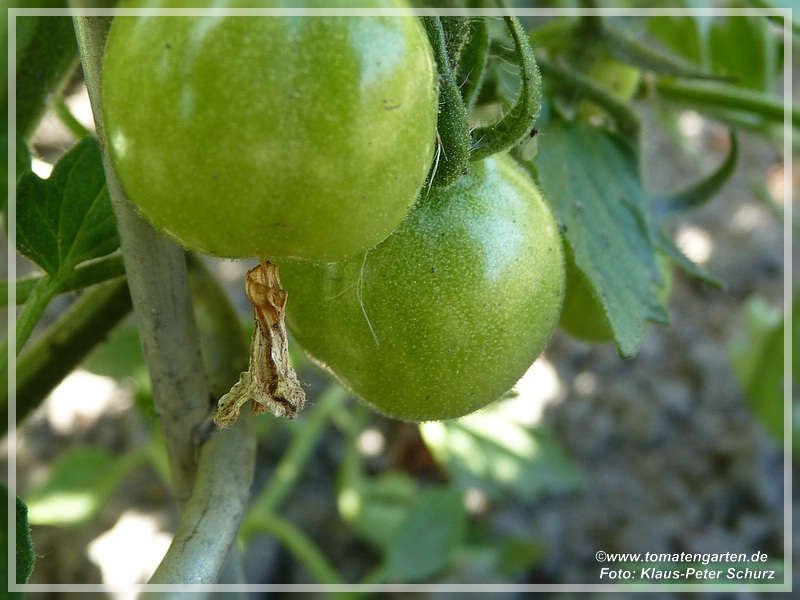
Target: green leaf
(426, 540)
(591, 181)
(492, 452)
(629, 49)
(745, 49)
(46, 54)
(25, 555)
(684, 35)
(23, 161)
(757, 358)
(66, 219)
(374, 506)
(79, 484)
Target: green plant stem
(62, 347)
(721, 96)
(90, 274)
(34, 308)
(299, 544)
(157, 279)
(204, 545)
(69, 121)
(293, 462)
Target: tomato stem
(517, 124)
(452, 158)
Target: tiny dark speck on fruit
(168, 46)
(433, 269)
(387, 106)
(279, 224)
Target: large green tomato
(446, 314)
(271, 136)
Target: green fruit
(583, 316)
(445, 315)
(276, 137)
(619, 79)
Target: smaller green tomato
(445, 315)
(305, 137)
(583, 316)
(619, 79)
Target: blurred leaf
(491, 451)
(684, 35)
(376, 506)
(79, 484)
(591, 181)
(426, 540)
(743, 47)
(630, 50)
(757, 358)
(46, 54)
(739, 47)
(120, 356)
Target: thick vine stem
(159, 289)
(212, 486)
(452, 158)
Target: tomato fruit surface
(445, 315)
(271, 136)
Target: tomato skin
(445, 315)
(275, 137)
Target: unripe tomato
(446, 314)
(305, 137)
(583, 316)
(619, 79)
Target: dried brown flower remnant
(270, 384)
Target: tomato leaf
(66, 219)
(591, 181)
(744, 49)
(424, 542)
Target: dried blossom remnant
(270, 384)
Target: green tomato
(619, 79)
(276, 137)
(583, 316)
(445, 315)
